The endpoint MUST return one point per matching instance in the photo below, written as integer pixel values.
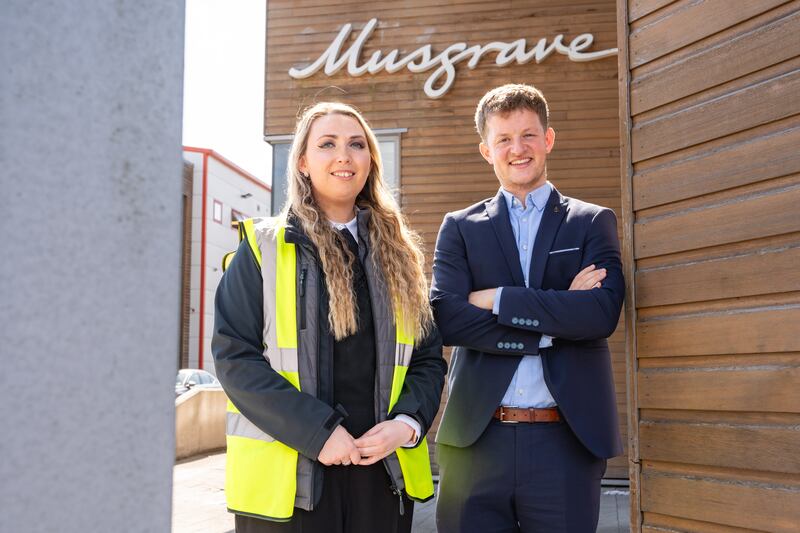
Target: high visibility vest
(261, 477)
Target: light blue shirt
(527, 387)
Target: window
(236, 217)
(280, 158)
(390, 154)
(388, 144)
(218, 211)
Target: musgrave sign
(443, 64)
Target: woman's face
(337, 160)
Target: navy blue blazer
(476, 250)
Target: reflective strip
(279, 296)
(285, 292)
(398, 378)
(237, 425)
(249, 231)
(402, 354)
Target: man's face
(517, 145)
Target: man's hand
(483, 299)
(383, 439)
(588, 278)
(339, 449)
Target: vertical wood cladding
(711, 178)
(441, 169)
(186, 263)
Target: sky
(223, 91)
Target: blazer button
(521, 346)
(515, 320)
(507, 345)
(535, 323)
(500, 345)
(528, 322)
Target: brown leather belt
(515, 415)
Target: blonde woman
(324, 342)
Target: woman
(325, 344)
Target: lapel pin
(555, 209)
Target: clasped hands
(588, 278)
(384, 438)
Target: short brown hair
(508, 98)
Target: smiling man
(527, 286)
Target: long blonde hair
(396, 249)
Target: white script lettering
(422, 59)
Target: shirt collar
(538, 197)
(352, 226)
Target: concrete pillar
(90, 204)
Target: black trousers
(355, 499)
(527, 478)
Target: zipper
(393, 486)
(378, 413)
(303, 297)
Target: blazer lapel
(552, 216)
(498, 214)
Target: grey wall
(90, 204)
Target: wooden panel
(772, 213)
(628, 266)
(765, 45)
(727, 277)
(745, 160)
(640, 8)
(752, 505)
(688, 22)
(713, 114)
(726, 445)
(765, 101)
(742, 331)
(772, 389)
(658, 523)
(478, 17)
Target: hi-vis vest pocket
(260, 472)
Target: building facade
(222, 194)
(689, 131)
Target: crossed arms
(561, 313)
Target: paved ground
(198, 502)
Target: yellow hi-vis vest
(261, 477)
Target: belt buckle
(502, 414)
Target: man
(527, 285)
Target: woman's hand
(383, 439)
(340, 449)
(588, 278)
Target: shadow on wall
(199, 422)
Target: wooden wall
(441, 169)
(710, 134)
(186, 262)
